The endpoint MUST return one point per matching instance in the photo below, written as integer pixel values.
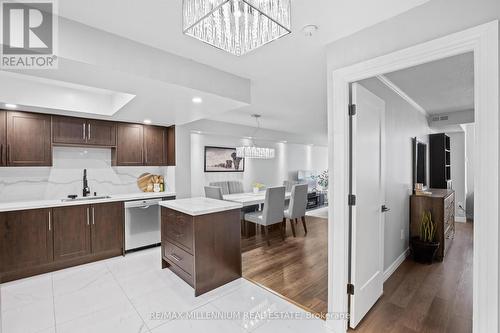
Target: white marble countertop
(23, 205)
(250, 198)
(200, 205)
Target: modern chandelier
(253, 151)
(236, 26)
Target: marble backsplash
(66, 174)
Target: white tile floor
(133, 294)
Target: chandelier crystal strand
(237, 26)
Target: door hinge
(352, 110)
(350, 289)
(351, 200)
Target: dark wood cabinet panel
(28, 139)
(25, 239)
(71, 232)
(205, 250)
(101, 133)
(107, 227)
(170, 152)
(155, 138)
(69, 130)
(3, 138)
(129, 145)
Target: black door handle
(385, 209)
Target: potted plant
(424, 246)
(257, 187)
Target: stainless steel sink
(87, 198)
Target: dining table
(247, 199)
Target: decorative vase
(423, 252)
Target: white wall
(457, 145)
(289, 159)
(469, 169)
(402, 123)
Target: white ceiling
(441, 86)
(288, 76)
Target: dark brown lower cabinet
(25, 239)
(107, 228)
(71, 232)
(43, 240)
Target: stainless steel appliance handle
(144, 207)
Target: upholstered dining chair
(214, 192)
(274, 205)
(297, 207)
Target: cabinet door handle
(175, 257)
(88, 216)
(50, 227)
(1, 154)
(8, 154)
(93, 216)
(83, 126)
(89, 132)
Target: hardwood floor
(428, 298)
(296, 268)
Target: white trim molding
(391, 85)
(399, 260)
(483, 41)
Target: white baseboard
(391, 269)
(461, 219)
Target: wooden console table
(441, 204)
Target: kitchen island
(200, 240)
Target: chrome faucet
(86, 188)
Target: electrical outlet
(402, 234)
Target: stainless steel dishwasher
(142, 223)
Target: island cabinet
(42, 240)
(203, 250)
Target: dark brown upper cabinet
(170, 152)
(129, 145)
(101, 133)
(155, 143)
(28, 139)
(69, 130)
(25, 239)
(3, 138)
(81, 132)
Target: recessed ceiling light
(147, 121)
(197, 100)
(10, 106)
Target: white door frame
(483, 41)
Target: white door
(368, 185)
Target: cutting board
(146, 181)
